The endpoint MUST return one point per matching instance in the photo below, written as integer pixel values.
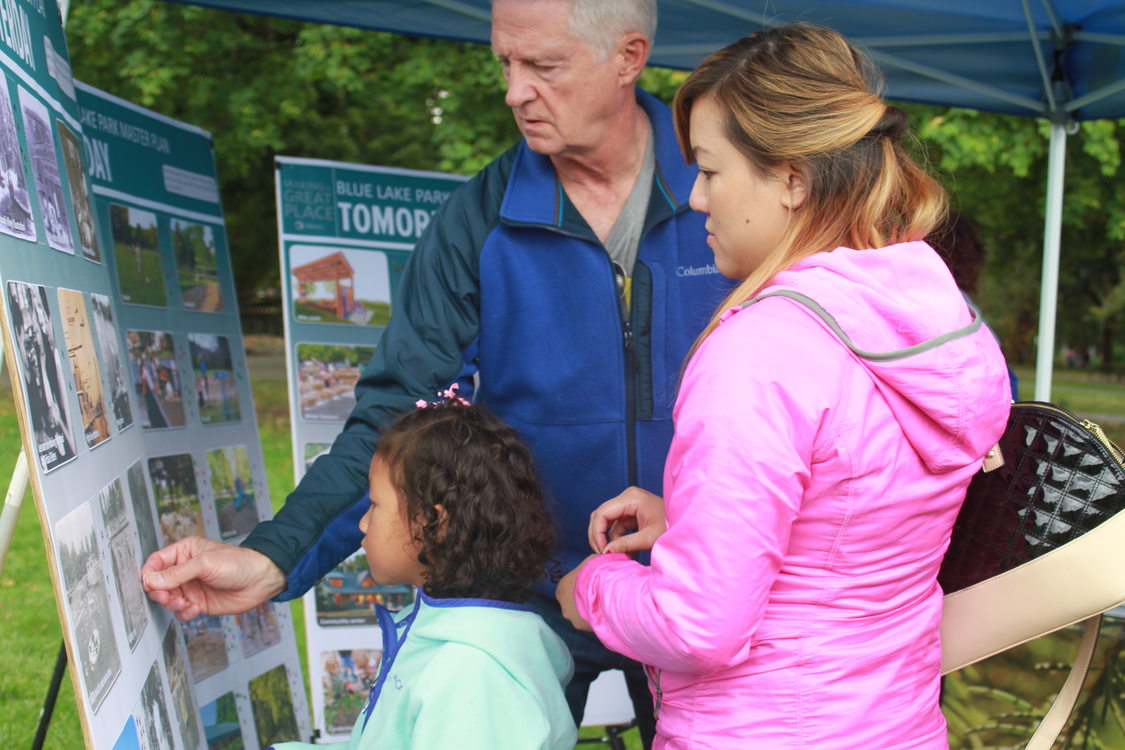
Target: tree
(265, 86)
(995, 168)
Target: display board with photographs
(129, 373)
(346, 232)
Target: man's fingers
(158, 560)
(171, 577)
(175, 553)
(190, 612)
(160, 597)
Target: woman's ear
(796, 186)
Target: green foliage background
(267, 86)
(273, 706)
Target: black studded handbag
(1039, 544)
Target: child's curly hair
(498, 536)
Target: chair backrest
(608, 701)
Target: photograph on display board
(84, 582)
(16, 218)
(128, 739)
(313, 451)
(272, 705)
(113, 366)
(184, 712)
(142, 509)
(79, 195)
(126, 568)
(206, 646)
(258, 629)
(327, 374)
(347, 679)
(33, 333)
(151, 713)
(45, 167)
(156, 378)
(348, 595)
(232, 485)
(136, 250)
(193, 246)
(216, 388)
(84, 366)
(331, 285)
(220, 724)
(177, 498)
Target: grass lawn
(143, 286)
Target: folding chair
(608, 706)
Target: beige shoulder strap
(1055, 719)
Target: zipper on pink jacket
(653, 675)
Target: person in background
(455, 508)
(958, 243)
(828, 422)
(570, 276)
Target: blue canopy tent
(1056, 59)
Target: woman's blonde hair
(802, 95)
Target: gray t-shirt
(625, 236)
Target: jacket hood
(512, 634)
(932, 358)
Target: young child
(457, 509)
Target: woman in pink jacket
(825, 432)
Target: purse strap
(1054, 721)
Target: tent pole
(1049, 286)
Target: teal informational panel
(121, 329)
(346, 232)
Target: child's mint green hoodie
(466, 674)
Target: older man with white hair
(569, 275)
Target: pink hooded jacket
(810, 495)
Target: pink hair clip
(449, 395)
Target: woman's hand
(564, 593)
(634, 510)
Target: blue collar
(470, 602)
(392, 642)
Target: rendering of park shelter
(333, 269)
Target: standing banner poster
(156, 195)
(346, 231)
(121, 326)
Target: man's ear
(630, 56)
